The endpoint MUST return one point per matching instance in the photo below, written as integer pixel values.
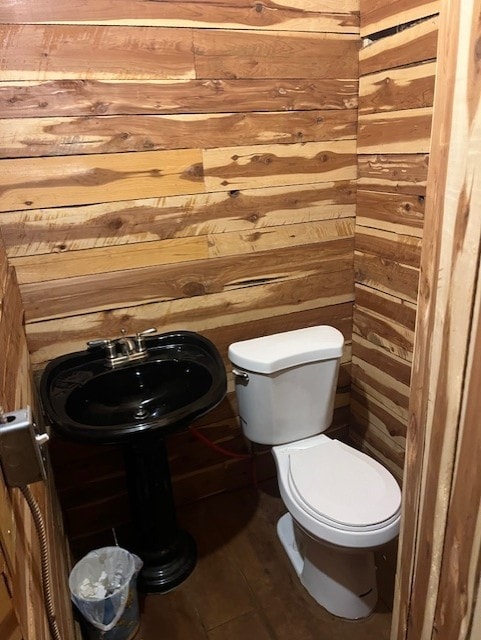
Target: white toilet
(341, 503)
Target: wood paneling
(22, 608)
(26, 99)
(395, 116)
(378, 15)
(439, 563)
(290, 15)
(180, 165)
(412, 45)
(110, 134)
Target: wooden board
(259, 54)
(70, 296)
(407, 131)
(401, 213)
(132, 97)
(397, 89)
(63, 229)
(52, 52)
(403, 173)
(28, 137)
(378, 15)
(45, 182)
(281, 15)
(415, 44)
(276, 165)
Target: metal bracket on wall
(21, 456)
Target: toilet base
(340, 579)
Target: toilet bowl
(341, 503)
(329, 535)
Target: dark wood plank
(53, 52)
(276, 15)
(96, 97)
(258, 54)
(401, 213)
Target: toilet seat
(358, 493)
(359, 504)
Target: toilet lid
(340, 484)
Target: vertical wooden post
(439, 560)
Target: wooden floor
(243, 587)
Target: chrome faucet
(123, 349)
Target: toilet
(341, 503)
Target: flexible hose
(45, 565)
(226, 452)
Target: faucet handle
(139, 338)
(147, 332)
(104, 342)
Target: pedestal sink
(135, 405)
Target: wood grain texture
(257, 54)
(407, 131)
(62, 98)
(27, 137)
(120, 289)
(63, 229)
(401, 213)
(397, 89)
(34, 52)
(179, 164)
(47, 182)
(276, 165)
(440, 536)
(415, 44)
(403, 173)
(328, 296)
(234, 14)
(378, 15)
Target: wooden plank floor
(243, 586)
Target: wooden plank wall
(183, 165)
(22, 612)
(397, 71)
(439, 569)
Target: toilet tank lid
(269, 354)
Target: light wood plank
(47, 182)
(71, 296)
(387, 275)
(111, 224)
(28, 137)
(271, 165)
(397, 89)
(330, 297)
(404, 173)
(388, 245)
(378, 15)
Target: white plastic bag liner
(99, 585)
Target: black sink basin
(181, 378)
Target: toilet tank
(286, 383)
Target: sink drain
(141, 413)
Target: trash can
(103, 588)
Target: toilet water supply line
(226, 452)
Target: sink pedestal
(168, 552)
